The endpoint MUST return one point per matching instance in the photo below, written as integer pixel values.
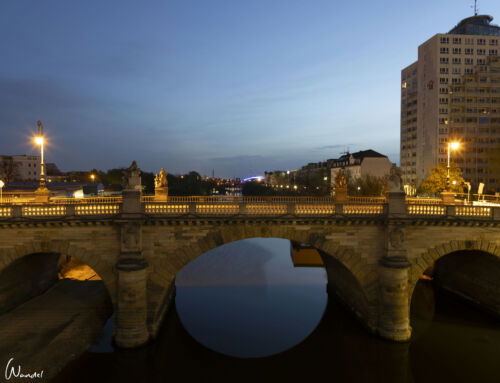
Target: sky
(234, 86)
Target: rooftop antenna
(475, 8)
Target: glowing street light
(92, 177)
(2, 184)
(451, 146)
(40, 140)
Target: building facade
(356, 165)
(19, 168)
(452, 93)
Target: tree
(366, 186)
(8, 169)
(436, 181)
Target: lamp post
(40, 140)
(2, 184)
(451, 146)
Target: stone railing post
(396, 204)
(242, 208)
(339, 208)
(496, 213)
(17, 211)
(450, 210)
(70, 210)
(448, 198)
(131, 310)
(290, 209)
(192, 208)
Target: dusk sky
(239, 86)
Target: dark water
(224, 306)
(246, 298)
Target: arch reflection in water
(246, 298)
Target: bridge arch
(357, 273)
(9, 255)
(487, 254)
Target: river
(243, 312)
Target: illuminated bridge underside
(377, 249)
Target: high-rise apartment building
(452, 93)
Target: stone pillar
(396, 203)
(131, 310)
(132, 268)
(448, 198)
(42, 195)
(394, 307)
(394, 310)
(161, 194)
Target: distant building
(356, 165)
(360, 164)
(452, 93)
(19, 168)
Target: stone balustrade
(243, 206)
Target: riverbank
(52, 329)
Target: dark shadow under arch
(471, 274)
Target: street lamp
(92, 177)
(451, 146)
(40, 140)
(2, 184)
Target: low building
(360, 164)
(318, 174)
(19, 168)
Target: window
(469, 61)
(443, 80)
(457, 40)
(481, 61)
(493, 42)
(444, 50)
(443, 121)
(469, 51)
(493, 52)
(456, 60)
(469, 41)
(456, 71)
(443, 100)
(444, 40)
(457, 51)
(443, 110)
(481, 52)
(443, 60)
(443, 70)
(468, 71)
(481, 41)
(443, 90)
(455, 80)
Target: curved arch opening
(52, 307)
(470, 276)
(273, 273)
(248, 299)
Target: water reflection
(246, 298)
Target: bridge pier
(394, 314)
(131, 311)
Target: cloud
(337, 146)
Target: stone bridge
(374, 249)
